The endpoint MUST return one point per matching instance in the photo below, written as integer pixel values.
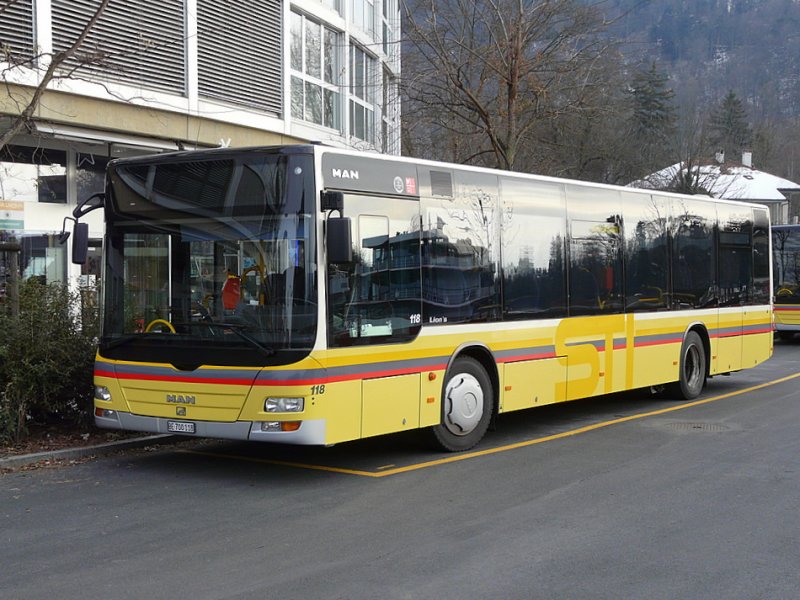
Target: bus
(786, 274)
(310, 295)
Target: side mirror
(91, 203)
(80, 243)
(338, 242)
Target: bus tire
(786, 336)
(467, 405)
(693, 367)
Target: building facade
(158, 76)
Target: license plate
(180, 427)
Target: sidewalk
(25, 460)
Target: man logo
(180, 411)
(344, 173)
(179, 399)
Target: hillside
(712, 46)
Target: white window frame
(389, 24)
(362, 16)
(330, 111)
(389, 103)
(335, 5)
(363, 101)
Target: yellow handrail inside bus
(156, 322)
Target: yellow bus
(312, 295)
(786, 274)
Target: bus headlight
(283, 405)
(101, 393)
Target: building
(159, 76)
(735, 181)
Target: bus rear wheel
(467, 404)
(692, 374)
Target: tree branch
(22, 121)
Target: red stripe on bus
(762, 330)
(348, 377)
(521, 357)
(741, 333)
(266, 381)
(174, 378)
(676, 340)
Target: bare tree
(591, 141)
(57, 65)
(483, 74)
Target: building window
(137, 41)
(333, 4)
(362, 95)
(362, 15)
(16, 31)
(239, 53)
(315, 66)
(388, 113)
(389, 25)
(90, 173)
(33, 175)
(41, 257)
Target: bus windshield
(210, 260)
(786, 264)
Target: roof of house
(727, 181)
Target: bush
(46, 358)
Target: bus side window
(375, 299)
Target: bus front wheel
(692, 374)
(467, 404)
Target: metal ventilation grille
(441, 183)
(16, 29)
(239, 52)
(137, 41)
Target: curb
(24, 460)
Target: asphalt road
(627, 496)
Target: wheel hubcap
(691, 367)
(464, 404)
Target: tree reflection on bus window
(646, 222)
(694, 263)
(460, 251)
(735, 254)
(595, 262)
(534, 231)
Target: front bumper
(310, 433)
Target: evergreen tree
(653, 121)
(653, 109)
(729, 129)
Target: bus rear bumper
(310, 432)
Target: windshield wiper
(235, 328)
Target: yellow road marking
(497, 449)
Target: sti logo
(344, 173)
